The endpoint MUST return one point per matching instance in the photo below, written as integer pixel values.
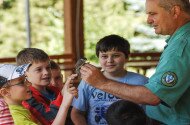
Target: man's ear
(176, 10)
(4, 92)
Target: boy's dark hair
(113, 42)
(54, 65)
(30, 55)
(126, 113)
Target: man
(167, 92)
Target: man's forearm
(137, 94)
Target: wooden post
(73, 29)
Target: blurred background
(126, 18)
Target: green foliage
(101, 17)
(106, 17)
(7, 4)
(46, 26)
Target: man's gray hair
(168, 4)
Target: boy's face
(39, 74)
(57, 78)
(112, 61)
(18, 90)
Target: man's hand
(138, 94)
(92, 75)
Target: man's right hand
(92, 75)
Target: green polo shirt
(171, 81)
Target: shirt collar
(178, 33)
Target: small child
(124, 112)
(113, 52)
(45, 100)
(15, 89)
(57, 81)
(57, 77)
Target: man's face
(57, 78)
(161, 19)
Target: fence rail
(143, 61)
(139, 61)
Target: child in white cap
(14, 89)
(5, 116)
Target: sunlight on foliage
(101, 17)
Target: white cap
(10, 71)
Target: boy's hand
(69, 91)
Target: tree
(101, 17)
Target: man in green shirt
(167, 93)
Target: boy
(15, 88)
(113, 52)
(45, 100)
(124, 112)
(57, 77)
(57, 81)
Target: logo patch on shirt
(169, 79)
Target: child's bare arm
(68, 91)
